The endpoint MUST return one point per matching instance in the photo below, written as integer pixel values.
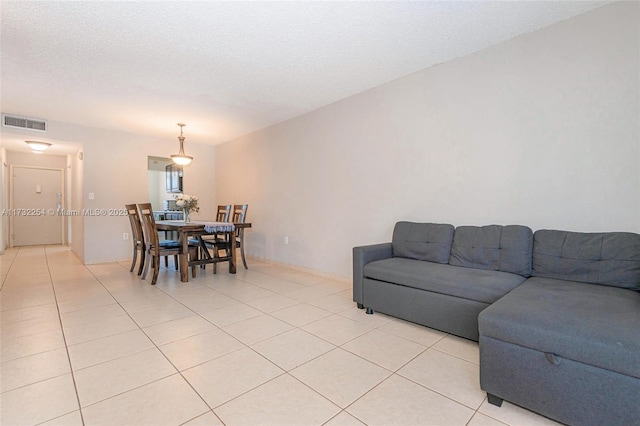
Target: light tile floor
(97, 345)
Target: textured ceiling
(230, 68)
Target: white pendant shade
(181, 158)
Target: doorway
(37, 195)
(164, 181)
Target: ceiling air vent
(24, 123)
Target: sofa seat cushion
(475, 284)
(589, 323)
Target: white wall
(38, 160)
(542, 130)
(155, 179)
(114, 168)
(115, 171)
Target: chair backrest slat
(149, 225)
(239, 213)
(136, 225)
(239, 216)
(223, 213)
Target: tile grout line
(64, 337)
(246, 346)
(155, 345)
(395, 372)
(6, 276)
(392, 372)
(287, 372)
(49, 257)
(28, 335)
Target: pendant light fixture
(181, 158)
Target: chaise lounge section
(566, 343)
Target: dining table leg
(183, 257)
(232, 244)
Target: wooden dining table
(197, 229)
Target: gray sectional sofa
(556, 313)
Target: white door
(37, 198)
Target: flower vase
(187, 218)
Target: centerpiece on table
(188, 204)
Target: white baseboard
(301, 269)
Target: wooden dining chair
(137, 237)
(210, 241)
(239, 215)
(157, 248)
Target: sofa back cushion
(611, 258)
(422, 241)
(494, 248)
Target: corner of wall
(76, 223)
(4, 190)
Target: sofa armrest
(361, 256)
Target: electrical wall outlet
(125, 236)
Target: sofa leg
(369, 311)
(494, 400)
(360, 306)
